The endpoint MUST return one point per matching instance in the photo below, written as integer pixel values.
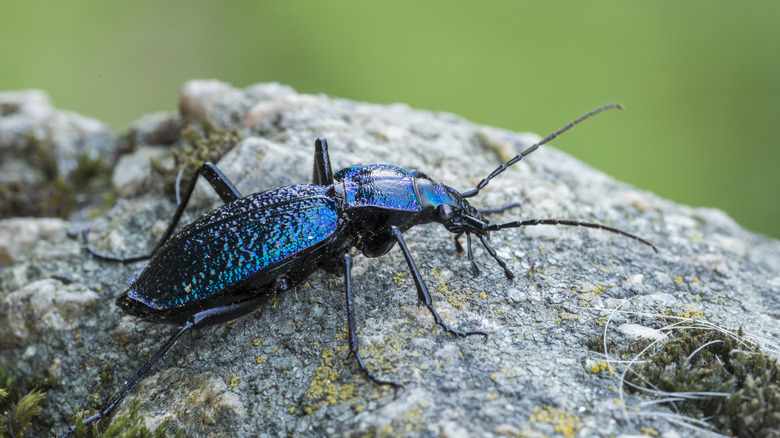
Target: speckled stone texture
(285, 369)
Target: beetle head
(448, 207)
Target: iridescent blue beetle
(237, 257)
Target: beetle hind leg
(222, 186)
(323, 173)
(346, 261)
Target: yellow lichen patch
(257, 342)
(602, 366)
(566, 316)
(602, 321)
(649, 431)
(234, 381)
(684, 311)
(696, 236)
(563, 422)
(678, 279)
(414, 420)
(325, 387)
(587, 293)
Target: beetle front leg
(346, 260)
(422, 291)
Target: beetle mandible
(238, 256)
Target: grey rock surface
(285, 369)
(46, 154)
(71, 136)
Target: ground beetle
(237, 257)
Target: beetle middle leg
(222, 186)
(422, 291)
(459, 251)
(346, 261)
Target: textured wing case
(227, 248)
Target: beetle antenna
(475, 191)
(571, 223)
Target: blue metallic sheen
(378, 185)
(232, 243)
(437, 194)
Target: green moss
(130, 425)
(204, 143)
(49, 194)
(736, 386)
(21, 401)
(18, 417)
(107, 376)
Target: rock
(134, 170)
(640, 331)
(285, 368)
(42, 149)
(42, 307)
(69, 135)
(18, 236)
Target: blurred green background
(700, 79)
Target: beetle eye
(445, 212)
(418, 174)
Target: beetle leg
(474, 269)
(502, 209)
(509, 275)
(458, 246)
(323, 174)
(346, 260)
(459, 249)
(221, 184)
(199, 320)
(422, 290)
(112, 404)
